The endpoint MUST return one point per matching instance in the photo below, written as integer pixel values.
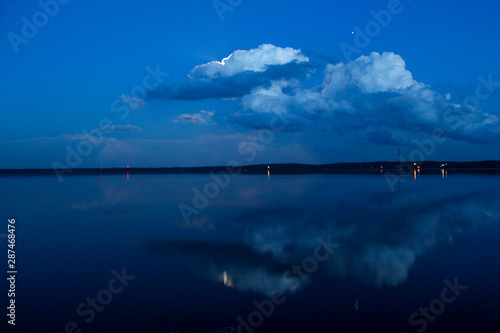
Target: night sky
(102, 83)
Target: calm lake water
(308, 253)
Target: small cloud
(133, 103)
(83, 137)
(202, 117)
(117, 128)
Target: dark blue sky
(86, 86)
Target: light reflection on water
(249, 235)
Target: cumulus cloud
(377, 73)
(255, 60)
(238, 74)
(375, 90)
(202, 117)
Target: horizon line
(420, 163)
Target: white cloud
(202, 117)
(371, 90)
(380, 73)
(374, 90)
(266, 100)
(255, 60)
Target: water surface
(393, 252)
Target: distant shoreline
(384, 167)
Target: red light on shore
(128, 166)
